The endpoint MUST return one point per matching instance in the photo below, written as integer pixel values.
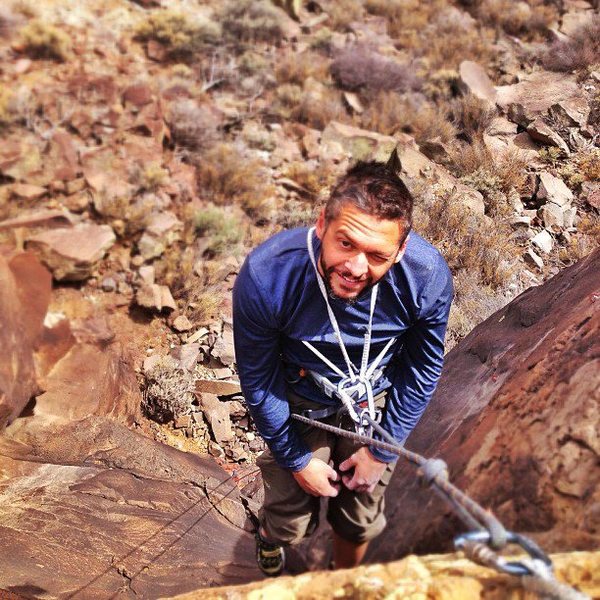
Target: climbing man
(350, 314)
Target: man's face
(357, 250)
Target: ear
(320, 224)
(402, 250)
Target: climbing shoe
(270, 557)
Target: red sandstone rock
(24, 295)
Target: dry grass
(467, 241)
(317, 108)
(297, 68)
(529, 20)
(252, 21)
(192, 126)
(342, 13)
(227, 176)
(315, 180)
(471, 116)
(224, 230)
(358, 68)
(587, 239)
(389, 113)
(168, 392)
(180, 33)
(583, 166)
(42, 40)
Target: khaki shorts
(290, 514)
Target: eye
(378, 259)
(345, 244)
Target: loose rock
(543, 241)
(553, 189)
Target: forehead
(367, 230)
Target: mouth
(350, 282)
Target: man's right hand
(315, 479)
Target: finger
(347, 464)
(332, 492)
(333, 475)
(349, 482)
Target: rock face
(24, 295)
(516, 417)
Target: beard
(327, 277)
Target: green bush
(224, 230)
(42, 40)
(252, 21)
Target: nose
(358, 265)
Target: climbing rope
(486, 534)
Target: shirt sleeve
(419, 362)
(256, 340)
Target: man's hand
(315, 479)
(367, 471)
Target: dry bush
(468, 241)
(192, 126)
(527, 20)
(578, 52)
(148, 177)
(357, 68)
(252, 21)
(582, 166)
(227, 176)
(223, 229)
(471, 116)
(42, 40)
(316, 180)
(406, 18)
(473, 303)
(586, 240)
(182, 34)
(17, 106)
(168, 392)
(452, 37)
(342, 13)
(297, 214)
(317, 109)
(389, 113)
(297, 68)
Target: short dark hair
(374, 188)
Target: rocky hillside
(147, 146)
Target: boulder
(571, 22)
(218, 387)
(540, 131)
(217, 416)
(187, 355)
(154, 296)
(26, 191)
(162, 230)
(25, 287)
(63, 157)
(181, 323)
(533, 260)
(475, 80)
(72, 254)
(552, 215)
(535, 94)
(543, 241)
(223, 348)
(45, 217)
(553, 189)
(573, 112)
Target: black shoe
(270, 557)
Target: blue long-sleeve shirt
(277, 304)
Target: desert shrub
(586, 240)
(342, 13)
(576, 52)
(471, 116)
(227, 176)
(583, 166)
(297, 214)
(16, 105)
(297, 68)
(315, 108)
(357, 68)
(42, 40)
(321, 39)
(192, 126)
(223, 229)
(473, 303)
(467, 241)
(168, 392)
(315, 180)
(180, 33)
(524, 19)
(405, 18)
(252, 21)
(149, 177)
(389, 113)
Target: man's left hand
(367, 471)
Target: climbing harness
(487, 535)
(355, 388)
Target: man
(356, 305)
